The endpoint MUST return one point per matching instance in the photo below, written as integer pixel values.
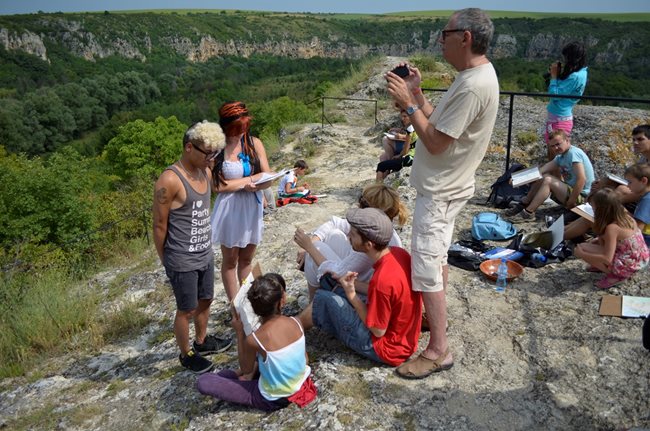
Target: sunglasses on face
(209, 155)
(453, 30)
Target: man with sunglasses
(453, 138)
(181, 232)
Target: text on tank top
(188, 242)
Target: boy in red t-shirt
(386, 328)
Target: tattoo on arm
(161, 196)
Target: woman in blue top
(568, 78)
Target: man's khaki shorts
(433, 229)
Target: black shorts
(191, 286)
(391, 165)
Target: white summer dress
(236, 216)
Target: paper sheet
(635, 306)
(270, 176)
(557, 230)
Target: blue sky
(363, 6)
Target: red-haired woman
(237, 215)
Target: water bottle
(538, 257)
(502, 276)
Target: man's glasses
(453, 30)
(209, 155)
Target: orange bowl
(489, 269)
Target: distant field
(622, 17)
(625, 17)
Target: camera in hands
(401, 71)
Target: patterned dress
(631, 255)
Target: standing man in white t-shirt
(453, 139)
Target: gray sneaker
(514, 210)
(212, 344)
(194, 362)
(525, 215)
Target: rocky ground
(536, 357)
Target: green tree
(86, 110)
(51, 122)
(143, 149)
(43, 201)
(271, 117)
(13, 132)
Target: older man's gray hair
(479, 24)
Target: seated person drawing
(277, 348)
(400, 143)
(386, 328)
(327, 249)
(394, 165)
(288, 186)
(577, 175)
(640, 147)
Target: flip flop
(608, 281)
(422, 367)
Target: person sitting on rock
(288, 186)
(571, 190)
(386, 328)
(641, 147)
(396, 164)
(619, 251)
(327, 249)
(279, 347)
(397, 141)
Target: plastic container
(538, 257)
(502, 276)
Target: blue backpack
(492, 226)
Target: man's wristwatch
(410, 110)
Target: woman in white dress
(237, 214)
(328, 248)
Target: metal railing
(322, 106)
(513, 94)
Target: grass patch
(129, 319)
(355, 389)
(52, 312)
(406, 420)
(345, 418)
(527, 137)
(43, 418)
(43, 318)
(161, 337)
(356, 74)
(115, 387)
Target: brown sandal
(422, 367)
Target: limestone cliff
(84, 38)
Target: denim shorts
(332, 313)
(191, 286)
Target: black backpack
(502, 191)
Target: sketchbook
(624, 306)
(249, 319)
(525, 176)
(270, 176)
(617, 179)
(584, 210)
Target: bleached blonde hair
(207, 133)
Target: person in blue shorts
(577, 174)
